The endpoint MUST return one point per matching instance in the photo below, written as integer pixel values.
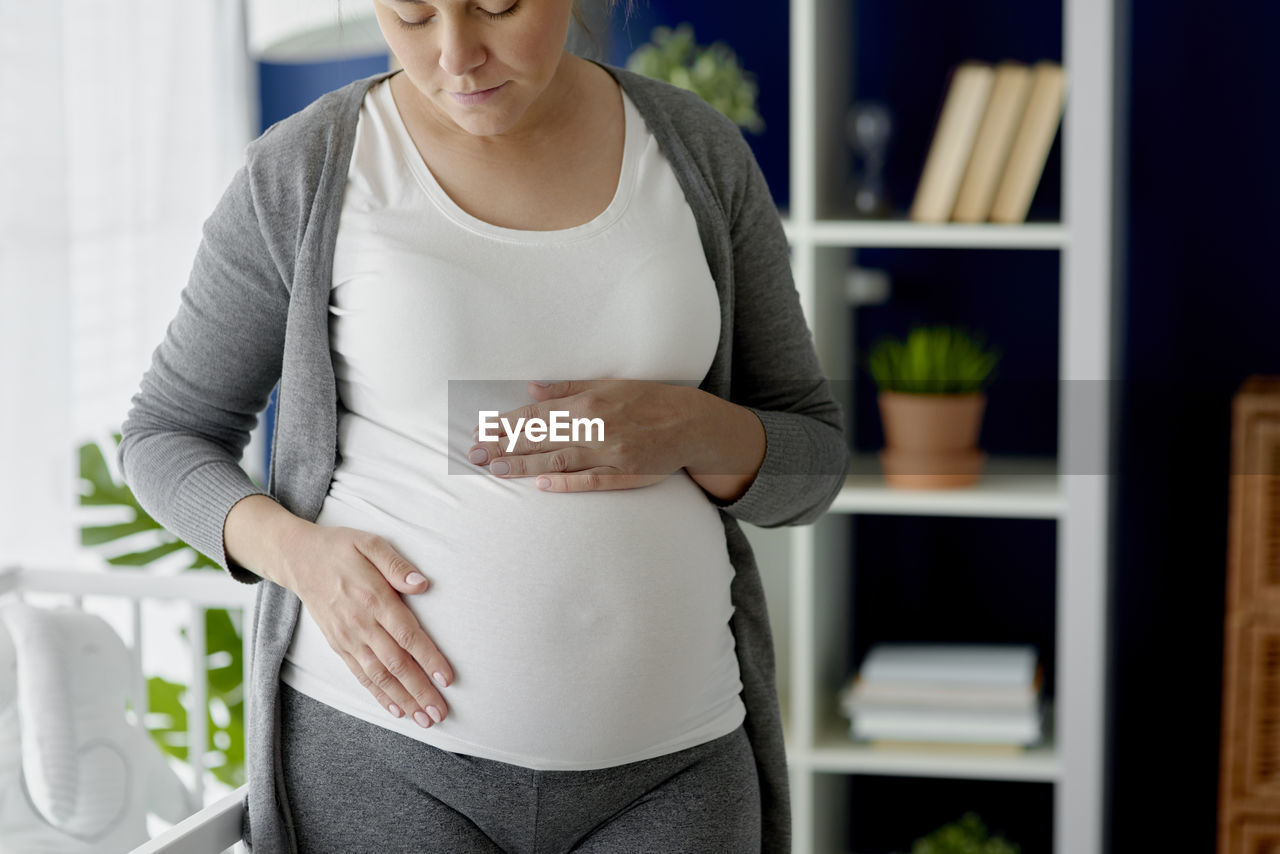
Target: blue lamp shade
(295, 70)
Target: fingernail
(500, 467)
(544, 483)
(414, 578)
(479, 456)
(435, 714)
(541, 383)
(421, 719)
(395, 711)
(439, 680)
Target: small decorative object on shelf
(869, 126)
(712, 72)
(931, 403)
(959, 696)
(966, 836)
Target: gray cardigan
(255, 311)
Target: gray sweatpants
(356, 787)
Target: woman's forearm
(256, 535)
(727, 446)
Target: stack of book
(955, 694)
(993, 137)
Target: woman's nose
(460, 48)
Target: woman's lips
(468, 99)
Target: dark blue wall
(1203, 312)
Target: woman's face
(480, 65)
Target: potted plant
(966, 836)
(931, 404)
(712, 72)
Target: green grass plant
(933, 360)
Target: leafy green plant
(223, 650)
(712, 72)
(966, 836)
(933, 360)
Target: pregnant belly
(585, 630)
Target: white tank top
(585, 630)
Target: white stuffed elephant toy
(75, 777)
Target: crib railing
(217, 826)
(214, 829)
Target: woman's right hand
(350, 583)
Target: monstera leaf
(167, 721)
(99, 489)
(147, 543)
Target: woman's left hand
(650, 429)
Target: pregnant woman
(480, 642)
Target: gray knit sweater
(255, 311)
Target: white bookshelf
(809, 599)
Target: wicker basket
(1249, 786)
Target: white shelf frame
(836, 754)
(1072, 490)
(1011, 488)
(903, 234)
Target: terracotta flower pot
(931, 440)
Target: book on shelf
(948, 726)
(953, 139)
(940, 693)
(861, 694)
(968, 664)
(1010, 88)
(954, 748)
(1030, 147)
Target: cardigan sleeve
(208, 380)
(775, 369)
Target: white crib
(216, 828)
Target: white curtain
(303, 30)
(120, 125)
